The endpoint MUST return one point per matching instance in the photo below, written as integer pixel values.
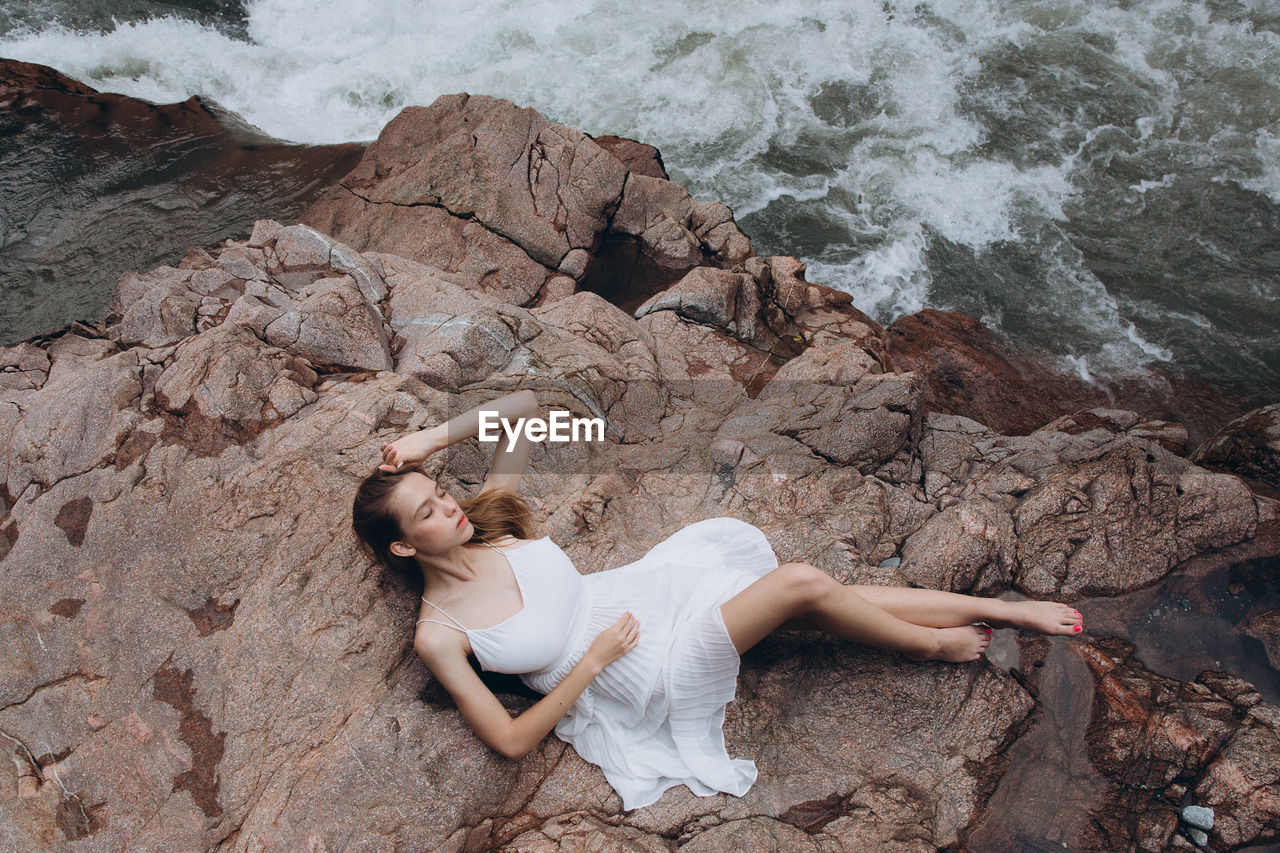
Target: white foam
(718, 84)
(885, 283)
(1079, 365)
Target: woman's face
(430, 520)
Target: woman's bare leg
(799, 591)
(940, 609)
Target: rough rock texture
(479, 187)
(971, 372)
(199, 658)
(1159, 738)
(1248, 446)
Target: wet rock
(1248, 446)
(1265, 627)
(112, 183)
(1241, 783)
(1154, 734)
(1199, 817)
(1148, 731)
(969, 372)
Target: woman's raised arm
(509, 457)
(514, 738)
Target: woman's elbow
(512, 750)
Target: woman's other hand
(616, 640)
(409, 449)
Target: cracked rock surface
(198, 657)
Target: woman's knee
(807, 585)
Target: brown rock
(1241, 783)
(969, 547)
(1248, 446)
(202, 657)
(639, 158)
(227, 379)
(970, 372)
(1153, 735)
(541, 186)
(1147, 730)
(480, 188)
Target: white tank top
(549, 623)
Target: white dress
(652, 719)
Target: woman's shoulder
(434, 642)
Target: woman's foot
(958, 645)
(1046, 617)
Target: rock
(1148, 733)
(229, 379)
(1199, 817)
(1122, 521)
(206, 660)
(156, 309)
(1170, 436)
(1248, 446)
(861, 424)
(1240, 784)
(969, 547)
(726, 300)
(639, 158)
(477, 187)
(969, 372)
(972, 373)
(1265, 627)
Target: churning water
(1097, 180)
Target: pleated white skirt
(654, 717)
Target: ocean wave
(867, 137)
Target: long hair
(493, 514)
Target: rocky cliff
(199, 658)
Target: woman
(635, 663)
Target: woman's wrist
(436, 438)
(591, 664)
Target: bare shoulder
(439, 643)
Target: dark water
(1194, 620)
(227, 16)
(92, 188)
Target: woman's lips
(462, 521)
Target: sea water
(1097, 181)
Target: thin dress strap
(457, 626)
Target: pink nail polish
(1077, 628)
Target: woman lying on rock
(636, 663)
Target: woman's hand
(414, 447)
(616, 640)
